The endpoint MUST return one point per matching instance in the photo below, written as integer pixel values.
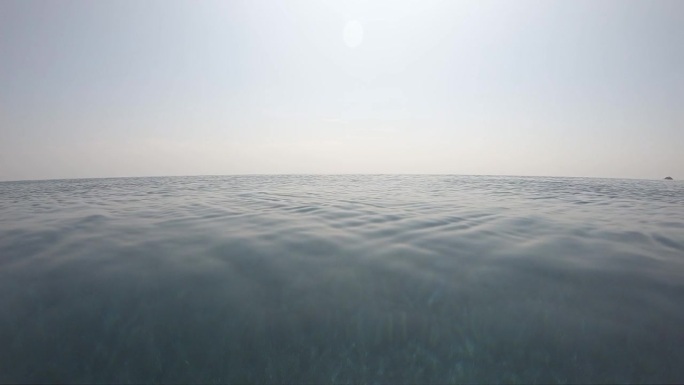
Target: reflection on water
(298, 279)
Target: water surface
(373, 279)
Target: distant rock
(668, 178)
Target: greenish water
(364, 279)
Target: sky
(150, 88)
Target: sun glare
(353, 34)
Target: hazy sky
(134, 88)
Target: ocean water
(340, 279)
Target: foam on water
(342, 279)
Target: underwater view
(342, 279)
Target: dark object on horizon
(668, 177)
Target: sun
(353, 34)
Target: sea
(342, 279)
